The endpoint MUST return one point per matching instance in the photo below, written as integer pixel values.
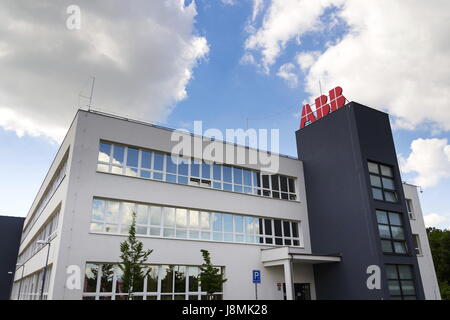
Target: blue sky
(224, 90)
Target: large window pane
(194, 219)
(386, 171)
(132, 157)
(90, 278)
(375, 181)
(180, 279)
(171, 164)
(382, 217)
(106, 280)
(377, 194)
(195, 169)
(193, 279)
(167, 279)
(206, 171)
(226, 173)
(247, 177)
(158, 161)
(228, 222)
(397, 233)
(112, 211)
(183, 167)
(217, 221)
(118, 155)
(373, 167)
(98, 208)
(205, 220)
(237, 175)
(152, 279)
(146, 158)
(169, 217)
(104, 152)
(267, 227)
(155, 215)
(395, 219)
(181, 215)
(217, 172)
(388, 184)
(238, 224)
(142, 214)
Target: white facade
(424, 257)
(75, 245)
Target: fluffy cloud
(141, 53)
(437, 221)
(429, 160)
(287, 72)
(394, 57)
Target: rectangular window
(382, 182)
(110, 216)
(416, 242)
(409, 207)
(401, 282)
(136, 162)
(391, 232)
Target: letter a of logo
(374, 280)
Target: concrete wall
(10, 231)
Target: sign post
(256, 276)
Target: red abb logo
(337, 100)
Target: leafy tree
(211, 278)
(440, 249)
(133, 256)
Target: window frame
(382, 176)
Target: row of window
(135, 162)
(52, 186)
(111, 216)
(401, 282)
(163, 282)
(30, 287)
(43, 234)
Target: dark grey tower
(336, 151)
(10, 233)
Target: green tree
(211, 278)
(133, 256)
(440, 249)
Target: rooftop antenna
(91, 95)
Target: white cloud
(283, 21)
(395, 56)
(306, 59)
(142, 55)
(286, 72)
(429, 160)
(437, 221)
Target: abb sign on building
(323, 106)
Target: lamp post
(45, 242)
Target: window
(409, 207)
(401, 282)
(112, 216)
(382, 182)
(416, 243)
(391, 232)
(136, 162)
(104, 281)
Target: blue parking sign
(256, 276)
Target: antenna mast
(92, 93)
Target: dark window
(401, 282)
(391, 232)
(382, 182)
(267, 227)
